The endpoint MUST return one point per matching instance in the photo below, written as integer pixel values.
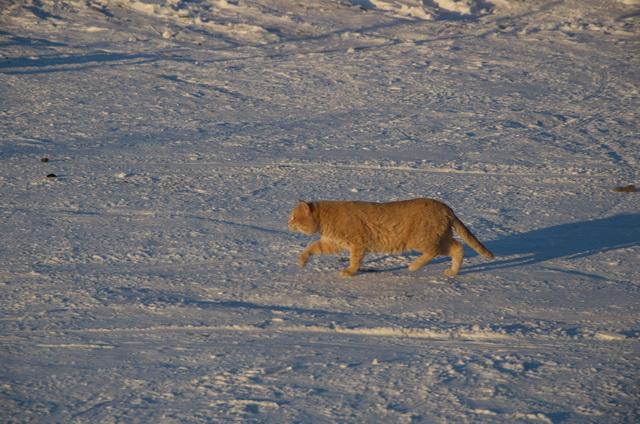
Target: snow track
(510, 335)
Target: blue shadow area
(15, 40)
(26, 61)
(149, 296)
(568, 241)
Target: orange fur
(423, 225)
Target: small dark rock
(44, 160)
(52, 176)
(626, 189)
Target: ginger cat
(424, 225)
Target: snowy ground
(154, 279)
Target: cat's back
(420, 205)
(401, 212)
(400, 206)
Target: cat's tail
(470, 239)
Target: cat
(423, 225)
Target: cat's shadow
(568, 241)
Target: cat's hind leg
(456, 251)
(318, 247)
(427, 255)
(355, 258)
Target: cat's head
(302, 219)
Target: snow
(154, 278)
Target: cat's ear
(305, 207)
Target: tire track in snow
(430, 170)
(75, 346)
(456, 335)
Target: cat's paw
(346, 273)
(450, 273)
(414, 267)
(302, 261)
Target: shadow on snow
(68, 63)
(566, 241)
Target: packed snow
(151, 151)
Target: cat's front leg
(355, 258)
(304, 256)
(318, 247)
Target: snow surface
(154, 280)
